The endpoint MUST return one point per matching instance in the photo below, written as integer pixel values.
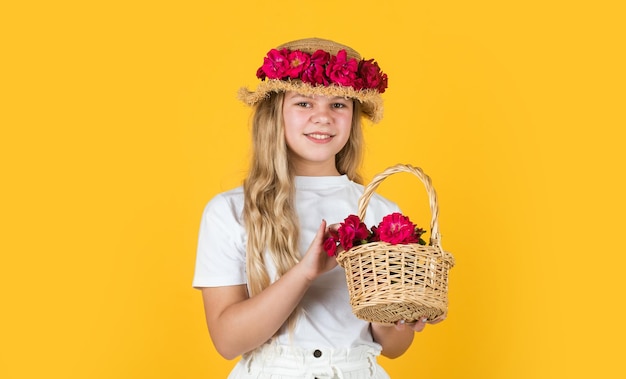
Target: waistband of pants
(293, 358)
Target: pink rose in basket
(394, 229)
(352, 231)
(397, 229)
(330, 244)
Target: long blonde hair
(269, 211)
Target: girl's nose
(321, 117)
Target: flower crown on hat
(315, 66)
(322, 68)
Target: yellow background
(119, 122)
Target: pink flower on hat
(370, 76)
(275, 65)
(315, 72)
(298, 61)
(342, 70)
(322, 68)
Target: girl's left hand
(419, 325)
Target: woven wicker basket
(388, 283)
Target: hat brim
(370, 99)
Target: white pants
(283, 362)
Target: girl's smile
(320, 137)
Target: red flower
(397, 229)
(352, 231)
(315, 73)
(275, 65)
(330, 246)
(383, 83)
(394, 228)
(298, 61)
(370, 76)
(342, 70)
(322, 68)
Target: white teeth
(319, 136)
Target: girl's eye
(303, 104)
(339, 105)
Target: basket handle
(435, 237)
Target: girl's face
(316, 129)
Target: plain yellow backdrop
(119, 122)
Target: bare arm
(396, 339)
(238, 324)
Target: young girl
(271, 293)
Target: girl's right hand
(316, 261)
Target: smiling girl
(271, 293)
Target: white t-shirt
(327, 319)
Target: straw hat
(315, 66)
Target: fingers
(321, 231)
(418, 325)
(333, 227)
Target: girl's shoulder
(227, 202)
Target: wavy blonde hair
(269, 211)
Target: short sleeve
(220, 256)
